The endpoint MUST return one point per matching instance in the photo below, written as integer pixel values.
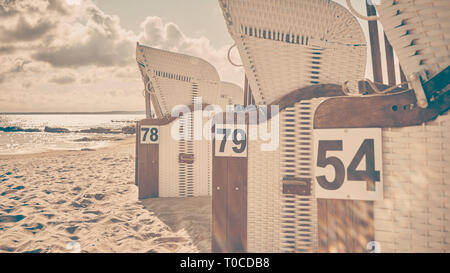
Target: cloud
(18, 65)
(101, 41)
(63, 79)
(55, 57)
(60, 6)
(170, 37)
(24, 31)
(7, 49)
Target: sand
(86, 201)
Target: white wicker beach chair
(284, 46)
(176, 79)
(414, 215)
(289, 44)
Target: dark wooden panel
(392, 110)
(237, 204)
(147, 166)
(345, 225)
(389, 61)
(148, 105)
(322, 215)
(219, 205)
(374, 45)
(245, 91)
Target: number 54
(366, 149)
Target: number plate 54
(348, 164)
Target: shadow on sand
(192, 214)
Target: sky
(79, 55)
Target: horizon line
(73, 113)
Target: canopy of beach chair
(174, 79)
(287, 44)
(419, 33)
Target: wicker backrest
(419, 33)
(288, 44)
(177, 78)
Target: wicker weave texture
(413, 217)
(287, 44)
(280, 222)
(179, 79)
(299, 213)
(419, 33)
(184, 179)
(264, 199)
(415, 213)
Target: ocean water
(33, 142)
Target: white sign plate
(231, 140)
(149, 134)
(348, 164)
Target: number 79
(236, 132)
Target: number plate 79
(231, 140)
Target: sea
(35, 142)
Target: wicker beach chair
(286, 45)
(413, 217)
(176, 79)
(183, 164)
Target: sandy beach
(86, 201)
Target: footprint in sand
(11, 218)
(83, 204)
(71, 229)
(99, 196)
(164, 240)
(34, 229)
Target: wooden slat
(219, 205)
(374, 45)
(393, 110)
(245, 91)
(345, 225)
(147, 164)
(322, 215)
(237, 204)
(390, 61)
